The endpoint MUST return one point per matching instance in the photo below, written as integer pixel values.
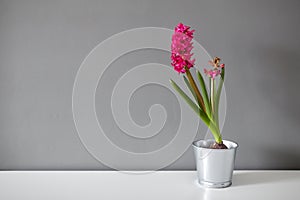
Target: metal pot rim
(233, 146)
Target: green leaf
(190, 88)
(218, 95)
(204, 93)
(184, 96)
(191, 103)
(210, 124)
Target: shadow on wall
(280, 80)
(281, 156)
(277, 83)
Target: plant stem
(218, 95)
(216, 133)
(212, 95)
(215, 130)
(204, 94)
(195, 88)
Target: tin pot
(214, 166)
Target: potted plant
(214, 158)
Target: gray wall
(42, 44)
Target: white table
(165, 185)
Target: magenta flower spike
(181, 48)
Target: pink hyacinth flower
(179, 63)
(212, 73)
(181, 28)
(181, 48)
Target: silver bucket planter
(214, 166)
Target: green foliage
(205, 118)
(218, 95)
(204, 93)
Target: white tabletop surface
(165, 185)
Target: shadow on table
(262, 177)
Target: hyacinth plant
(206, 101)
